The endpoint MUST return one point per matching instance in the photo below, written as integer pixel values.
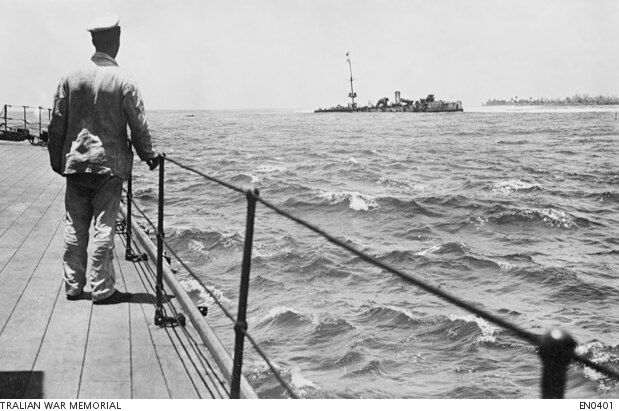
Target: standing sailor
(88, 144)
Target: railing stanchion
(128, 252)
(241, 320)
(555, 349)
(159, 317)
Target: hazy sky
(292, 53)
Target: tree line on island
(576, 99)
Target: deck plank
(147, 374)
(107, 363)
(21, 256)
(19, 163)
(179, 350)
(33, 220)
(12, 167)
(61, 356)
(23, 331)
(21, 195)
(22, 336)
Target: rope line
(142, 279)
(201, 357)
(189, 270)
(213, 179)
(147, 267)
(210, 293)
(141, 212)
(597, 367)
(146, 278)
(233, 320)
(214, 376)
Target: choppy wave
(286, 316)
(200, 296)
(605, 197)
(405, 186)
(510, 186)
(390, 315)
(447, 248)
(371, 368)
(550, 217)
(356, 201)
(205, 241)
(463, 323)
(603, 355)
(270, 169)
(260, 373)
(245, 179)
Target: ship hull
(429, 107)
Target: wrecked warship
(423, 105)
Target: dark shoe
(75, 297)
(116, 298)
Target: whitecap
(404, 186)
(556, 217)
(598, 354)
(280, 310)
(508, 187)
(300, 383)
(269, 250)
(407, 313)
(191, 285)
(267, 169)
(198, 246)
(488, 330)
(504, 266)
(358, 201)
(430, 250)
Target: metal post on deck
(159, 317)
(128, 252)
(555, 349)
(25, 122)
(241, 323)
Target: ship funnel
(397, 97)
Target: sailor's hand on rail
(153, 163)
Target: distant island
(575, 100)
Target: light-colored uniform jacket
(88, 129)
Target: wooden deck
(54, 348)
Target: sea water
(512, 210)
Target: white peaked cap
(103, 23)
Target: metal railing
(556, 348)
(24, 133)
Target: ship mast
(352, 93)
